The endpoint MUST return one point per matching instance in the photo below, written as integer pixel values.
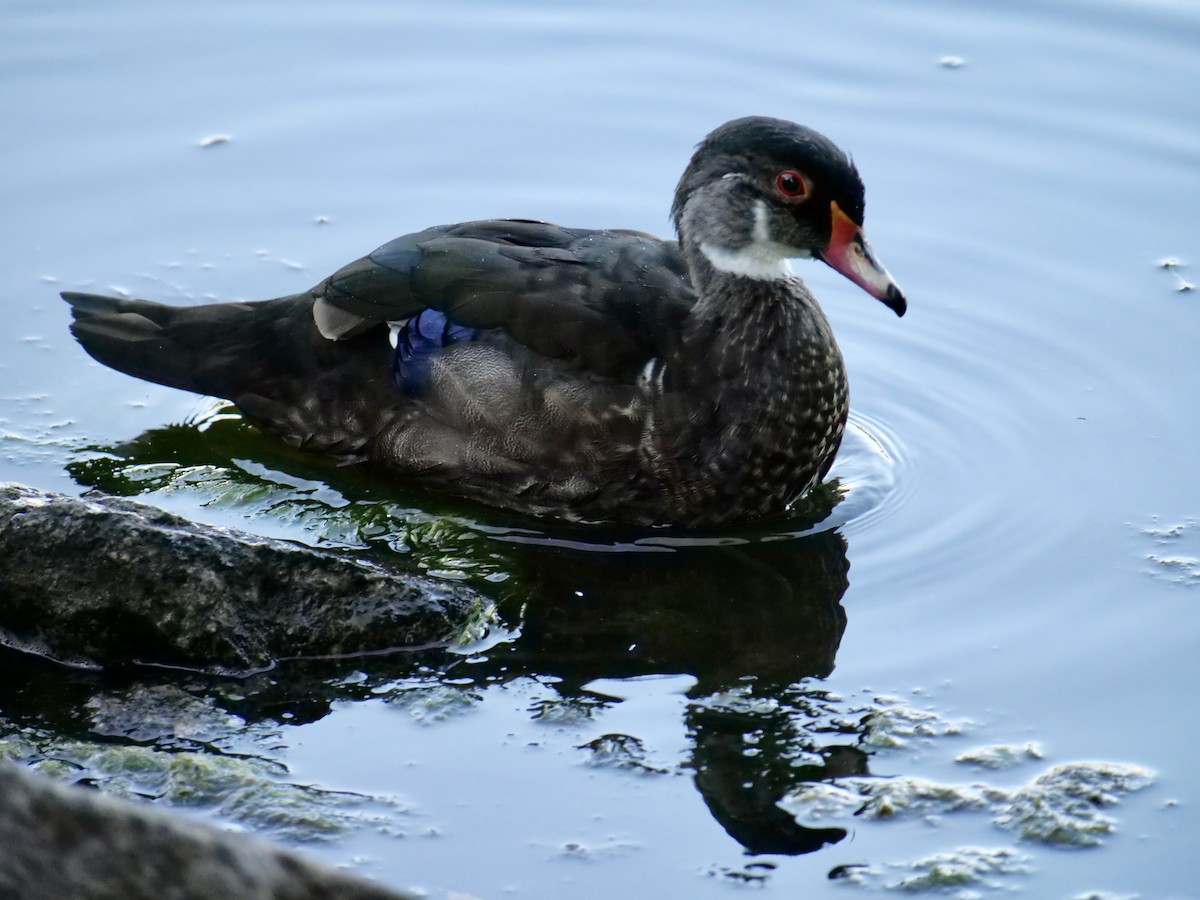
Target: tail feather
(172, 346)
(267, 357)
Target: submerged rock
(621, 751)
(893, 725)
(181, 748)
(960, 868)
(107, 581)
(999, 756)
(58, 841)
(954, 873)
(879, 798)
(1062, 806)
(248, 790)
(153, 712)
(816, 803)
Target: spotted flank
(418, 340)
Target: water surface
(1016, 552)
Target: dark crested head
(759, 191)
(761, 148)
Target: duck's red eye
(791, 184)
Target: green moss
(245, 790)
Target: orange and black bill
(849, 253)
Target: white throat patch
(761, 259)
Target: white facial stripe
(761, 236)
(748, 262)
(762, 258)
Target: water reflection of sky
(1035, 406)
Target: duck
(576, 374)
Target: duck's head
(760, 191)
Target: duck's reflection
(770, 611)
(754, 619)
(750, 622)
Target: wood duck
(587, 375)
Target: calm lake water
(1022, 512)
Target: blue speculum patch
(419, 340)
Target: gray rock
(58, 841)
(106, 581)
